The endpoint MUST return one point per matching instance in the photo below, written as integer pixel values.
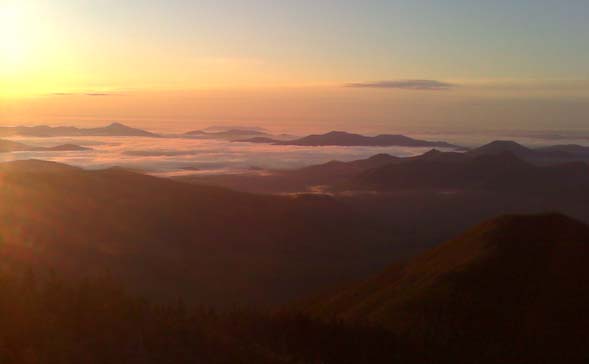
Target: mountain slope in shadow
(510, 288)
(173, 239)
(498, 172)
(497, 165)
(304, 179)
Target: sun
(25, 41)
(15, 39)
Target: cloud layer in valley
(176, 156)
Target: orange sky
(287, 64)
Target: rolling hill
(306, 179)
(504, 171)
(432, 171)
(170, 239)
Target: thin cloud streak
(420, 85)
(91, 94)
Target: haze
(370, 66)
(294, 181)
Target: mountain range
(341, 138)
(504, 171)
(183, 235)
(236, 134)
(498, 165)
(508, 290)
(114, 129)
(237, 248)
(12, 146)
(226, 134)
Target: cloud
(424, 85)
(173, 156)
(61, 94)
(83, 94)
(98, 94)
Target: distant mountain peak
(118, 125)
(431, 152)
(381, 156)
(338, 132)
(505, 143)
(502, 146)
(117, 129)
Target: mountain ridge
(113, 129)
(7, 146)
(504, 286)
(342, 138)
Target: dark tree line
(45, 319)
(49, 320)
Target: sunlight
(15, 39)
(26, 49)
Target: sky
(375, 65)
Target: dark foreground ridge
(509, 290)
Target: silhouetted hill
(502, 146)
(229, 134)
(434, 170)
(510, 289)
(7, 146)
(171, 239)
(67, 147)
(435, 155)
(304, 179)
(342, 138)
(570, 149)
(10, 146)
(332, 171)
(503, 171)
(114, 129)
(543, 155)
(259, 140)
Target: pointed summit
(117, 129)
(502, 146)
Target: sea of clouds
(178, 156)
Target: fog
(178, 156)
